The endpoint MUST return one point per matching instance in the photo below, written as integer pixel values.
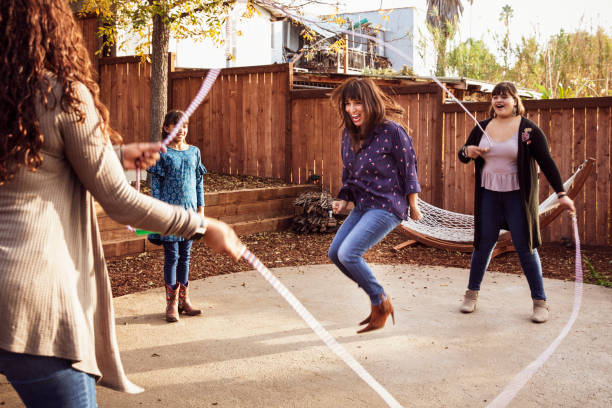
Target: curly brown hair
(41, 45)
(377, 107)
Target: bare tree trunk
(159, 77)
(441, 57)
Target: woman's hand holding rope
(567, 204)
(220, 237)
(473, 152)
(140, 155)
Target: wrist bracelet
(561, 194)
(201, 230)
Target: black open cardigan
(532, 148)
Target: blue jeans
(48, 382)
(361, 230)
(176, 262)
(495, 208)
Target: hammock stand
(548, 212)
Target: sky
(481, 20)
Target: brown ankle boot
(366, 320)
(379, 315)
(172, 299)
(184, 305)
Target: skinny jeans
(176, 262)
(497, 207)
(360, 231)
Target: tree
(153, 22)
(442, 20)
(472, 59)
(528, 69)
(575, 64)
(504, 44)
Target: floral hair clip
(526, 136)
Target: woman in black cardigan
(506, 191)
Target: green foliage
(196, 19)
(568, 65)
(596, 276)
(546, 93)
(504, 46)
(472, 59)
(528, 69)
(441, 33)
(380, 72)
(442, 21)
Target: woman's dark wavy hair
(507, 88)
(39, 37)
(377, 107)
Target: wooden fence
(241, 127)
(125, 90)
(253, 123)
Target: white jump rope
(517, 383)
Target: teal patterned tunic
(177, 179)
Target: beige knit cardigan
(55, 295)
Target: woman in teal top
(177, 179)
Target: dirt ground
(131, 274)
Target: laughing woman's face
(503, 105)
(355, 110)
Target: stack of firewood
(314, 213)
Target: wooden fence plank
(460, 198)
(437, 148)
(608, 180)
(277, 138)
(219, 162)
(590, 227)
(334, 133)
(578, 158)
(423, 147)
(450, 163)
(545, 126)
(229, 147)
(603, 173)
(561, 143)
(267, 160)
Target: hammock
(454, 231)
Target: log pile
(314, 213)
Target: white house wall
(397, 30)
(253, 47)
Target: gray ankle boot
(540, 311)
(469, 301)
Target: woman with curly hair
(57, 333)
(379, 177)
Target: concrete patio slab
(250, 349)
